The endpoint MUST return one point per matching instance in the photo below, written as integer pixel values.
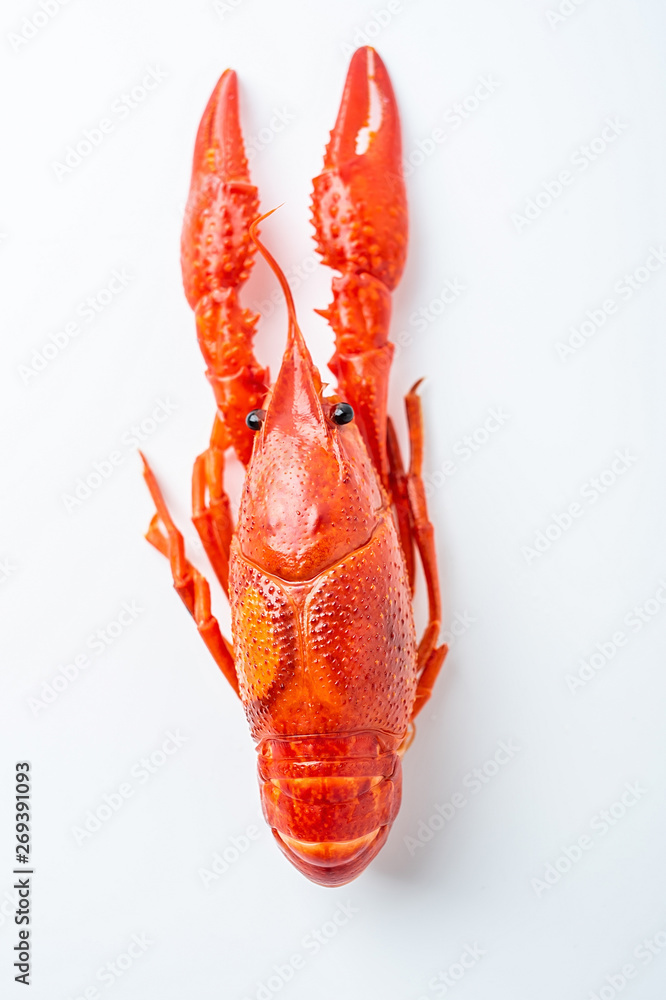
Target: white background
(535, 616)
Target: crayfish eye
(342, 413)
(255, 419)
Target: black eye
(255, 419)
(342, 413)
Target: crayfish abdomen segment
(330, 800)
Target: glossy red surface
(325, 657)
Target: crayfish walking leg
(190, 585)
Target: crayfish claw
(359, 206)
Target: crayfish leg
(398, 490)
(188, 582)
(414, 525)
(211, 510)
(428, 678)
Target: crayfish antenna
(294, 406)
(294, 329)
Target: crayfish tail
(330, 800)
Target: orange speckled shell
(327, 674)
(324, 645)
(323, 631)
(335, 654)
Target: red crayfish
(319, 568)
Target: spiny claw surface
(216, 256)
(359, 203)
(216, 249)
(360, 217)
